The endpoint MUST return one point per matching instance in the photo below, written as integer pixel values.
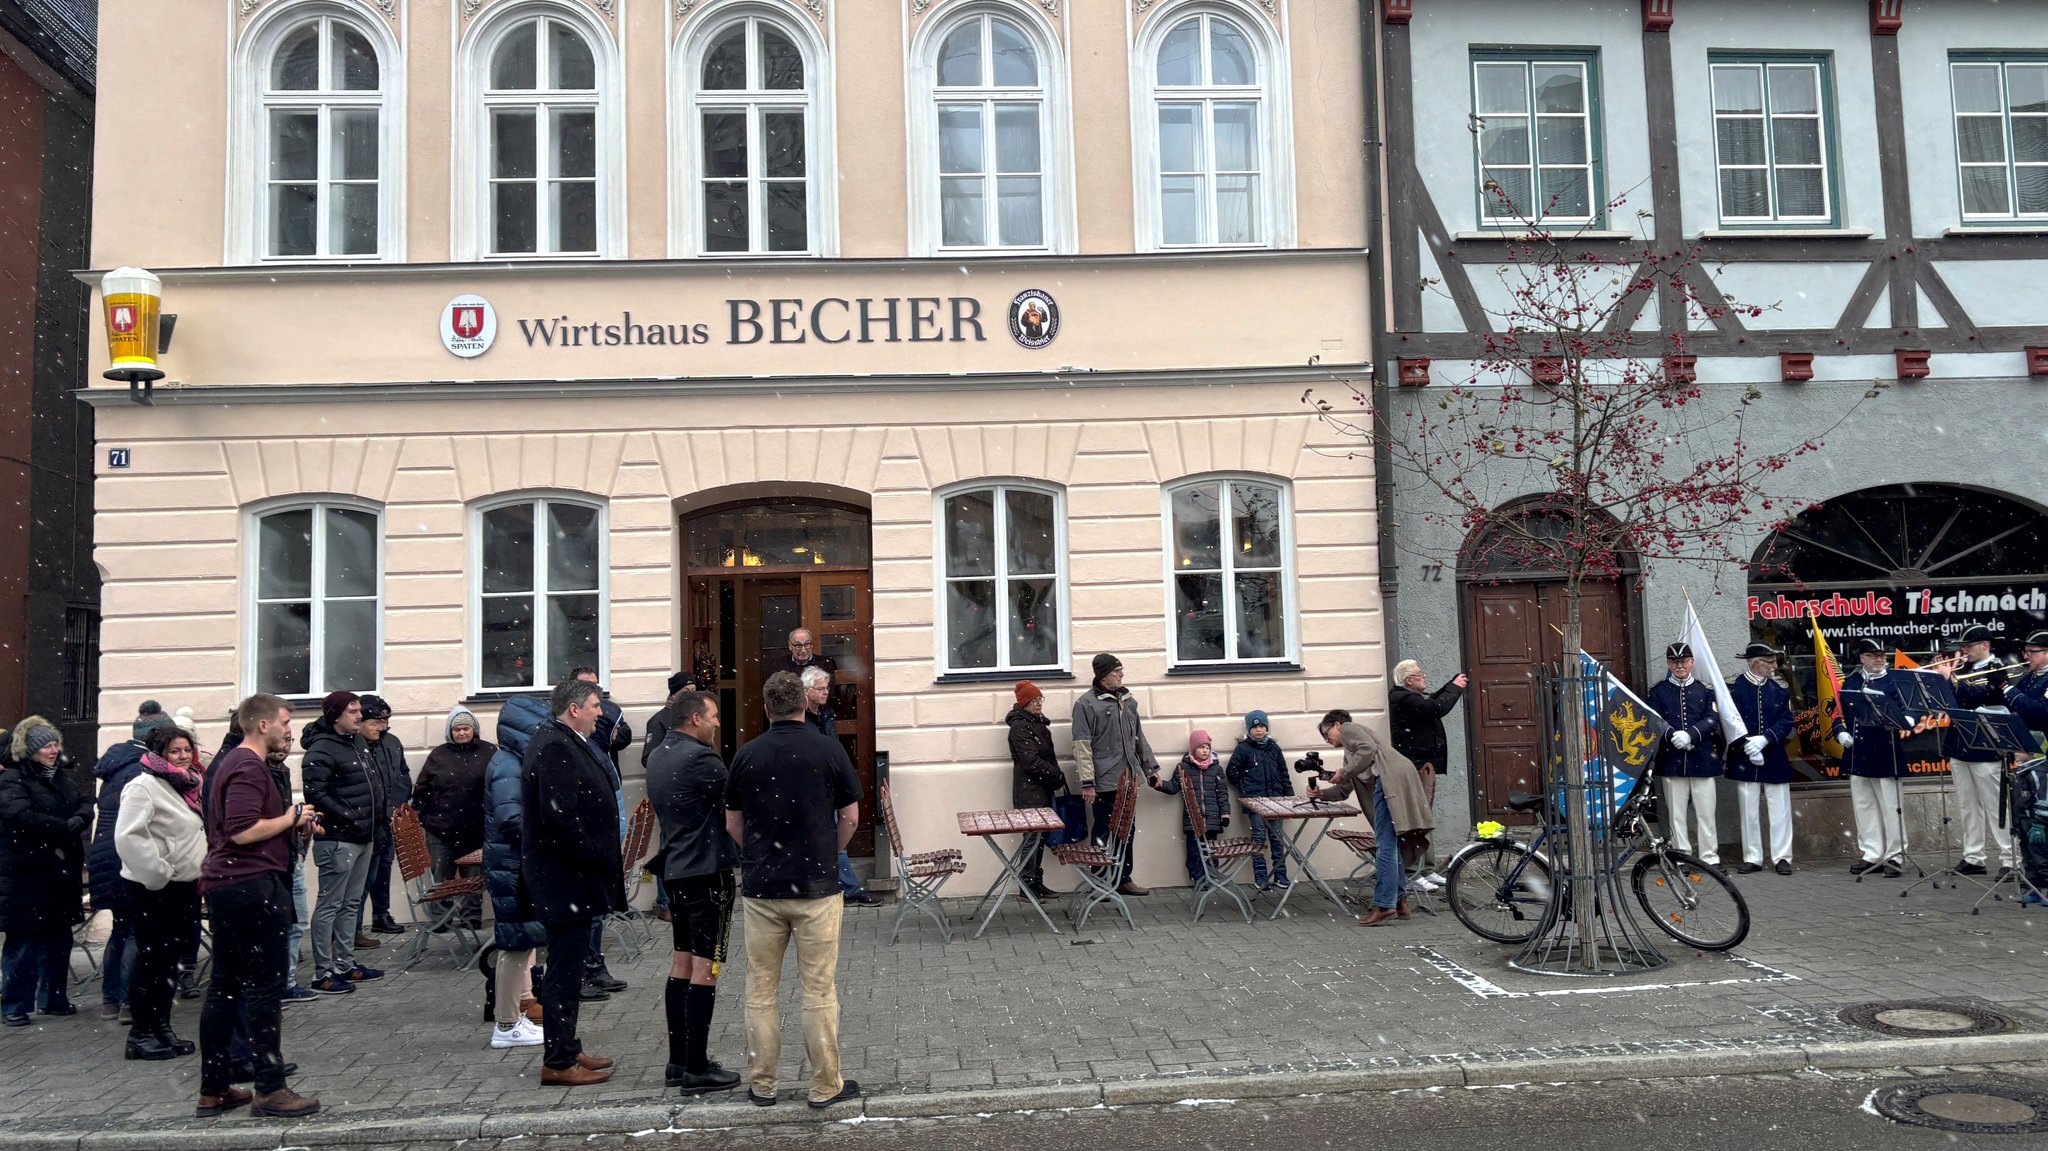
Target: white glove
(1846, 740)
(1754, 746)
(1682, 740)
(1757, 758)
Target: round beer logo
(1034, 318)
(468, 325)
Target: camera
(1310, 764)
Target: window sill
(1561, 234)
(500, 695)
(1001, 676)
(2016, 228)
(1770, 233)
(1240, 668)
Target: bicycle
(1501, 890)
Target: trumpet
(1993, 671)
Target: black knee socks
(697, 1019)
(676, 999)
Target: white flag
(1733, 729)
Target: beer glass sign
(133, 300)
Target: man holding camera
(1398, 806)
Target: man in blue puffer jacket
(1258, 768)
(122, 763)
(516, 936)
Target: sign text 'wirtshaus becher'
(830, 320)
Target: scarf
(183, 780)
(1204, 762)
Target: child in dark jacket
(1258, 768)
(1200, 771)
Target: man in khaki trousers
(792, 805)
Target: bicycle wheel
(1499, 891)
(1690, 900)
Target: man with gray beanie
(1110, 750)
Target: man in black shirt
(792, 805)
(686, 782)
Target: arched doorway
(756, 569)
(1908, 565)
(1513, 616)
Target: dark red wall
(22, 103)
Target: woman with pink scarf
(162, 842)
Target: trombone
(1993, 671)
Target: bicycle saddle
(1523, 801)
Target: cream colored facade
(298, 379)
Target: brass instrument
(1993, 671)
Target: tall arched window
(989, 86)
(541, 104)
(1216, 147)
(315, 142)
(315, 621)
(753, 128)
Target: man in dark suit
(570, 863)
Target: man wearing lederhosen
(1875, 758)
(1758, 765)
(1981, 683)
(1687, 762)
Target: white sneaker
(525, 1033)
(1429, 882)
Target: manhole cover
(1972, 1108)
(1912, 1020)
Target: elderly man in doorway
(817, 705)
(1415, 721)
(803, 655)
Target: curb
(1456, 1071)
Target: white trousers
(1880, 836)
(1977, 795)
(1695, 794)
(1776, 796)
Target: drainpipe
(1383, 366)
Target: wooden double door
(1513, 630)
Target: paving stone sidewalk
(1022, 1007)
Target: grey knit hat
(150, 716)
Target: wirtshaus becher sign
(1911, 568)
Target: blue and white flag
(1626, 731)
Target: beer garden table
(1030, 822)
(1300, 810)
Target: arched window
(316, 618)
(1002, 575)
(1230, 571)
(540, 588)
(541, 101)
(753, 132)
(317, 141)
(1215, 149)
(987, 157)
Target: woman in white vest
(161, 840)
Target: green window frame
(1774, 140)
(1537, 137)
(2000, 107)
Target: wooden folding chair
(1221, 858)
(436, 906)
(920, 875)
(1365, 845)
(1101, 866)
(639, 834)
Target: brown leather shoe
(1129, 888)
(572, 1077)
(1401, 907)
(284, 1103)
(1379, 917)
(214, 1106)
(593, 1062)
(367, 942)
(530, 1007)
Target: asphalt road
(1806, 1112)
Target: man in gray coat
(1110, 751)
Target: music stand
(1868, 707)
(1931, 694)
(1995, 733)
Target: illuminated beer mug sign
(134, 300)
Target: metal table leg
(1301, 860)
(1012, 876)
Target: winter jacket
(449, 793)
(612, 734)
(1037, 775)
(1108, 739)
(123, 762)
(686, 783)
(1689, 709)
(161, 840)
(659, 725)
(1212, 792)
(342, 783)
(42, 853)
(1257, 769)
(1766, 708)
(1367, 759)
(503, 825)
(569, 852)
(1416, 723)
(394, 774)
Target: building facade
(1867, 182)
(515, 335)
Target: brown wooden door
(769, 610)
(1513, 631)
(838, 608)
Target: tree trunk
(1572, 753)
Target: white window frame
(247, 222)
(2010, 166)
(1055, 127)
(476, 595)
(1290, 609)
(1590, 121)
(1823, 113)
(1000, 577)
(471, 237)
(687, 99)
(252, 564)
(1273, 94)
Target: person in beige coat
(161, 840)
(1399, 804)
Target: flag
(1827, 680)
(1626, 731)
(1901, 660)
(1733, 729)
